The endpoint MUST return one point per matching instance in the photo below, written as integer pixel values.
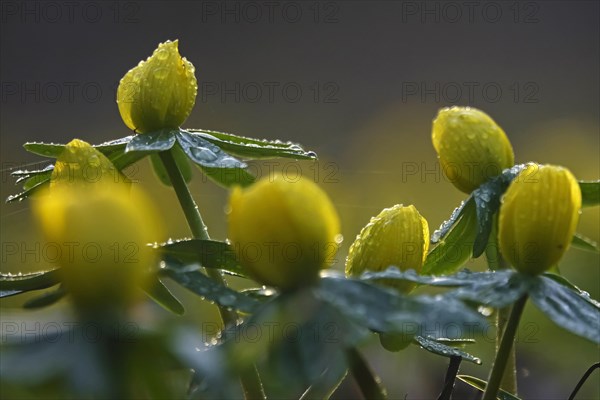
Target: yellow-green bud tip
(283, 231)
(538, 217)
(398, 236)
(158, 93)
(471, 147)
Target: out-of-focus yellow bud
(98, 230)
(471, 147)
(283, 231)
(81, 164)
(538, 217)
(160, 92)
(398, 236)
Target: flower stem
(503, 353)
(496, 262)
(250, 380)
(370, 385)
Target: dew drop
(227, 299)
(162, 54)
(160, 73)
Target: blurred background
(359, 82)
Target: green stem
(370, 385)
(496, 262)
(188, 205)
(503, 354)
(250, 380)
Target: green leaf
(28, 192)
(11, 284)
(480, 385)
(572, 310)
(454, 247)
(261, 294)
(161, 140)
(114, 150)
(493, 288)
(254, 148)
(207, 253)
(206, 154)
(50, 150)
(182, 163)
(487, 202)
(228, 177)
(46, 299)
(162, 296)
(324, 387)
(440, 348)
(384, 310)
(192, 279)
(584, 243)
(300, 344)
(309, 342)
(562, 280)
(590, 193)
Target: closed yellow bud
(538, 217)
(398, 236)
(97, 231)
(283, 231)
(160, 92)
(471, 147)
(81, 164)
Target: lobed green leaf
(440, 348)
(207, 253)
(572, 310)
(254, 148)
(11, 284)
(454, 242)
(192, 279)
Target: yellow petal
(283, 232)
(538, 217)
(158, 93)
(471, 147)
(398, 236)
(97, 231)
(81, 164)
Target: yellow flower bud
(283, 231)
(97, 230)
(471, 147)
(398, 236)
(160, 92)
(538, 217)
(81, 164)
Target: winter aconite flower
(81, 164)
(160, 92)
(283, 231)
(538, 217)
(98, 230)
(471, 147)
(398, 236)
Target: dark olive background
(371, 131)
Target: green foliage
(308, 335)
(480, 385)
